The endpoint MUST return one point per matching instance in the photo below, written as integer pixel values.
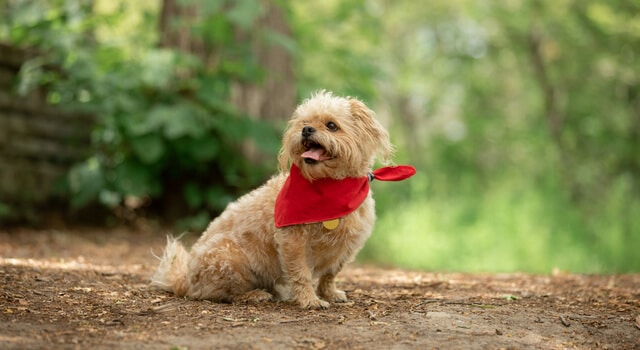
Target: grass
(506, 228)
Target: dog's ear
(284, 156)
(284, 159)
(379, 136)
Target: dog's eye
(332, 126)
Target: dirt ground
(89, 289)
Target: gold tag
(331, 224)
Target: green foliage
(521, 117)
(166, 124)
(508, 228)
(335, 41)
(5, 211)
(524, 128)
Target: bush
(167, 134)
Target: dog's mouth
(314, 152)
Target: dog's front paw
(335, 295)
(312, 303)
(305, 297)
(309, 300)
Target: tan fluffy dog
(242, 256)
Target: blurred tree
(516, 101)
(336, 43)
(471, 77)
(523, 118)
(273, 97)
(264, 31)
(162, 80)
(248, 37)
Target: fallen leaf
(638, 322)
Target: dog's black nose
(308, 131)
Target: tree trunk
(274, 98)
(173, 31)
(271, 99)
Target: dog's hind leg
(220, 272)
(253, 297)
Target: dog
(278, 242)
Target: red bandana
(301, 201)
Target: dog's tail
(171, 274)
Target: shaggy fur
(243, 257)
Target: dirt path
(89, 290)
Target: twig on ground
(564, 321)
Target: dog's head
(334, 137)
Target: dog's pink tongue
(316, 154)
